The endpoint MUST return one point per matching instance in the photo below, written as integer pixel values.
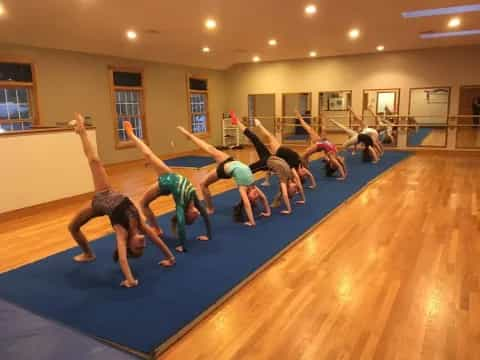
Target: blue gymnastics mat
(88, 297)
(417, 138)
(26, 336)
(195, 162)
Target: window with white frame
(129, 104)
(17, 108)
(198, 101)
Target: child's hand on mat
(300, 202)
(248, 223)
(312, 186)
(341, 178)
(286, 212)
(129, 283)
(266, 214)
(202, 238)
(170, 262)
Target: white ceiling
(173, 32)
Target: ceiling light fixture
(454, 22)
(354, 33)
(206, 49)
(312, 54)
(272, 42)
(436, 35)
(2, 10)
(441, 11)
(310, 9)
(210, 24)
(256, 58)
(380, 48)
(132, 35)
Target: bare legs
(273, 141)
(353, 135)
(158, 165)
(217, 155)
(101, 183)
(150, 195)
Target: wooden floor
(395, 274)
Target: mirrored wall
(380, 108)
(292, 132)
(468, 121)
(334, 105)
(428, 117)
(262, 106)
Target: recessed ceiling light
(454, 22)
(310, 9)
(436, 35)
(312, 53)
(2, 10)
(206, 49)
(442, 11)
(354, 33)
(131, 34)
(256, 58)
(210, 24)
(272, 42)
(380, 48)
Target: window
(17, 87)
(128, 102)
(198, 104)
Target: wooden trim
(33, 96)
(43, 130)
(205, 134)
(448, 113)
(6, 83)
(121, 145)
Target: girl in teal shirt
(228, 168)
(187, 205)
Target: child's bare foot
(286, 212)
(79, 123)
(257, 122)
(167, 262)
(202, 238)
(127, 125)
(210, 211)
(84, 258)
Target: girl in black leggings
(289, 184)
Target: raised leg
(158, 165)
(311, 132)
(218, 156)
(349, 131)
(274, 143)
(99, 175)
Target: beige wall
(70, 81)
(30, 177)
(425, 68)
